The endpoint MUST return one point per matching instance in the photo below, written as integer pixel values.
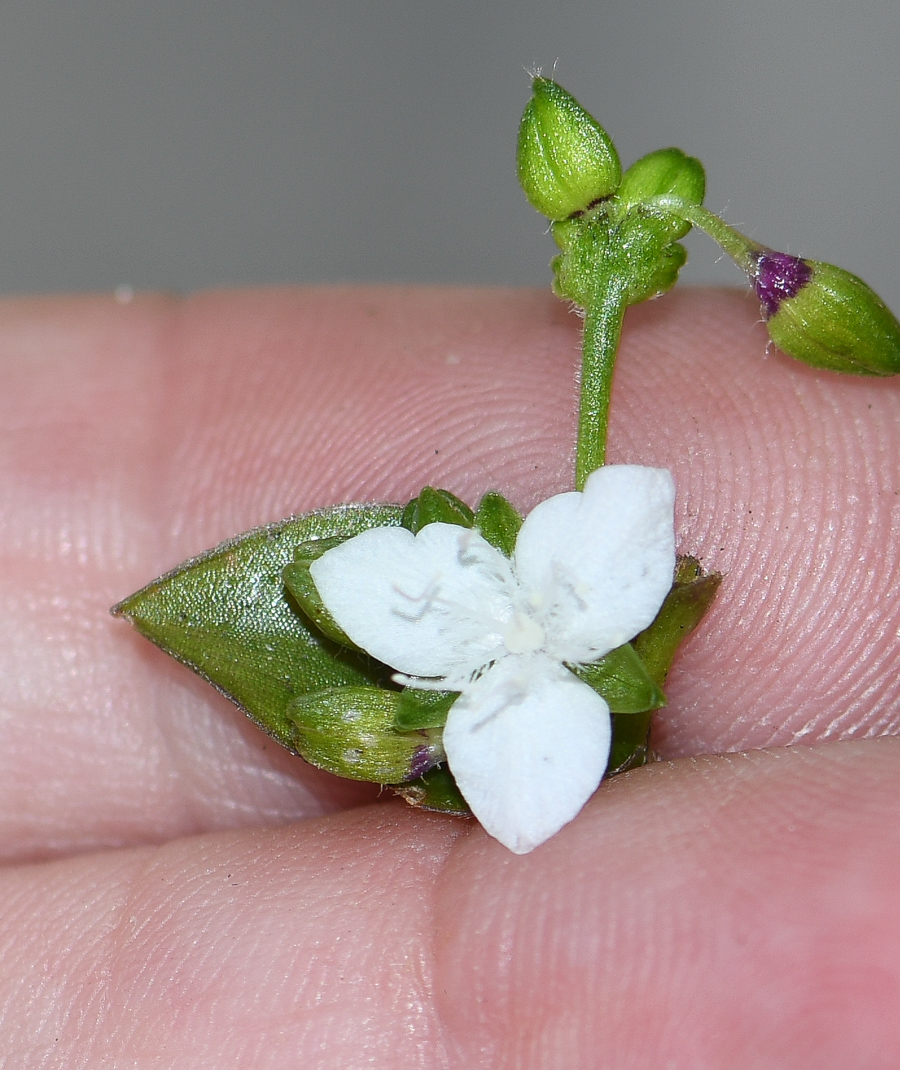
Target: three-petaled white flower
(526, 741)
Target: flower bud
(665, 173)
(565, 159)
(825, 316)
(350, 731)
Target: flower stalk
(739, 247)
(603, 318)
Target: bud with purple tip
(350, 731)
(825, 316)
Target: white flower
(526, 741)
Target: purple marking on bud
(777, 277)
(422, 761)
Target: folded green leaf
(227, 615)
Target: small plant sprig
(620, 240)
(471, 659)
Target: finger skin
(710, 912)
(135, 436)
(730, 912)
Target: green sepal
(349, 731)
(622, 680)
(691, 595)
(633, 246)
(630, 237)
(664, 173)
(312, 549)
(566, 161)
(648, 253)
(417, 708)
(227, 615)
(498, 522)
(661, 277)
(436, 791)
(566, 231)
(434, 506)
(302, 588)
(587, 258)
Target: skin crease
(180, 893)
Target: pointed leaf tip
(226, 615)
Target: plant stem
(739, 248)
(602, 329)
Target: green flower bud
(665, 173)
(350, 731)
(825, 316)
(565, 159)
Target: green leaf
(433, 506)
(622, 680)
(227, 615)
(437, 791)
(350, 731)
(417, 708)
(498, 522)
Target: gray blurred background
(181, 144)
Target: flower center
(522, 634)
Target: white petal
(430, 605)
(599, 562)
(528, 744)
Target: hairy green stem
(738, 247)
(602, 329)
